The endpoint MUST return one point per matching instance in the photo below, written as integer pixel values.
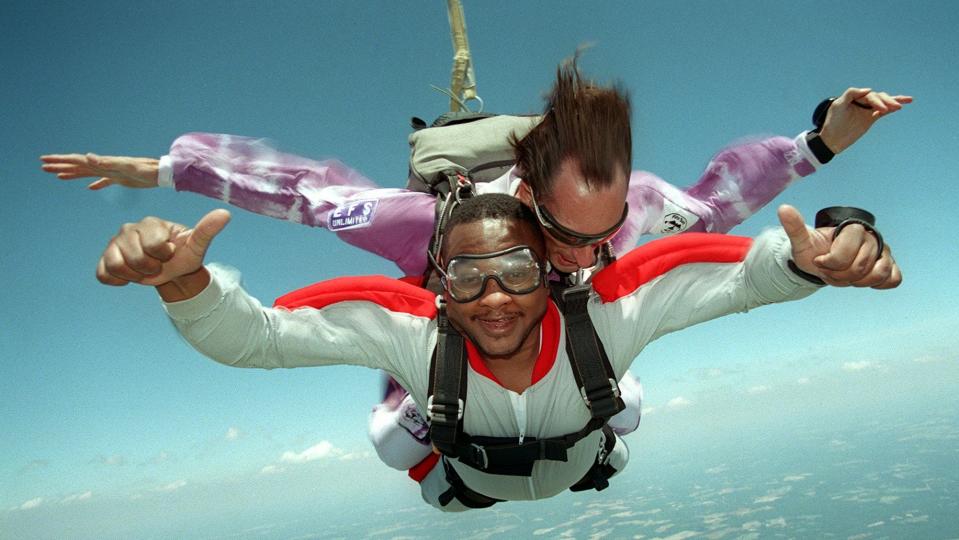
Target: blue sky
(101, 404)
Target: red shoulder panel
(654, 259)
(393, 294)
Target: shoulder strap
(447, 386)
(591, 367)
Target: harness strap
(461, 492)
(591, 367)
(507, 456)
(597, 477)
(447, 386)
(449, 193)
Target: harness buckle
(442, 412)
(613, 387)
(479, 456)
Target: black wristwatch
(813, 140)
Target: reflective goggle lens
(515, 270)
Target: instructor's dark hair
(584, 121)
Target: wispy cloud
(802, 380)
(321, 450)
(678, 402)
(718, 469)
(233, 433)
(760, 389)
(172, 486)
(351, 456)
(709, 373)
(796, 477)
(856, 366)
(928, 359)
(115, 460)
(85, 496)
(32, 503)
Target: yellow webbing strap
(462, 80)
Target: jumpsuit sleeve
(228, 325)
(737, 182)
(395, 224)
(674, 283)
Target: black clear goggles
(569, 236)
(516, 270)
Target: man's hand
(851, 259)
(162, 253)
(853, 113)
(126, 171)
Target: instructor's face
(583, 212)
(499, 323)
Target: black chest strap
(447, 386)
(587, 356)
(507, 456)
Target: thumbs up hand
(850, 259)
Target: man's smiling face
(499, 323)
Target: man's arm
(674, 283)
(742, 179)
(395, 224)
(217, 317)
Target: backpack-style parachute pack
(456, 151)
(475, 145)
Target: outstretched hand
(131, 172)
(851, 259)
(157, 252)
(852, 114)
